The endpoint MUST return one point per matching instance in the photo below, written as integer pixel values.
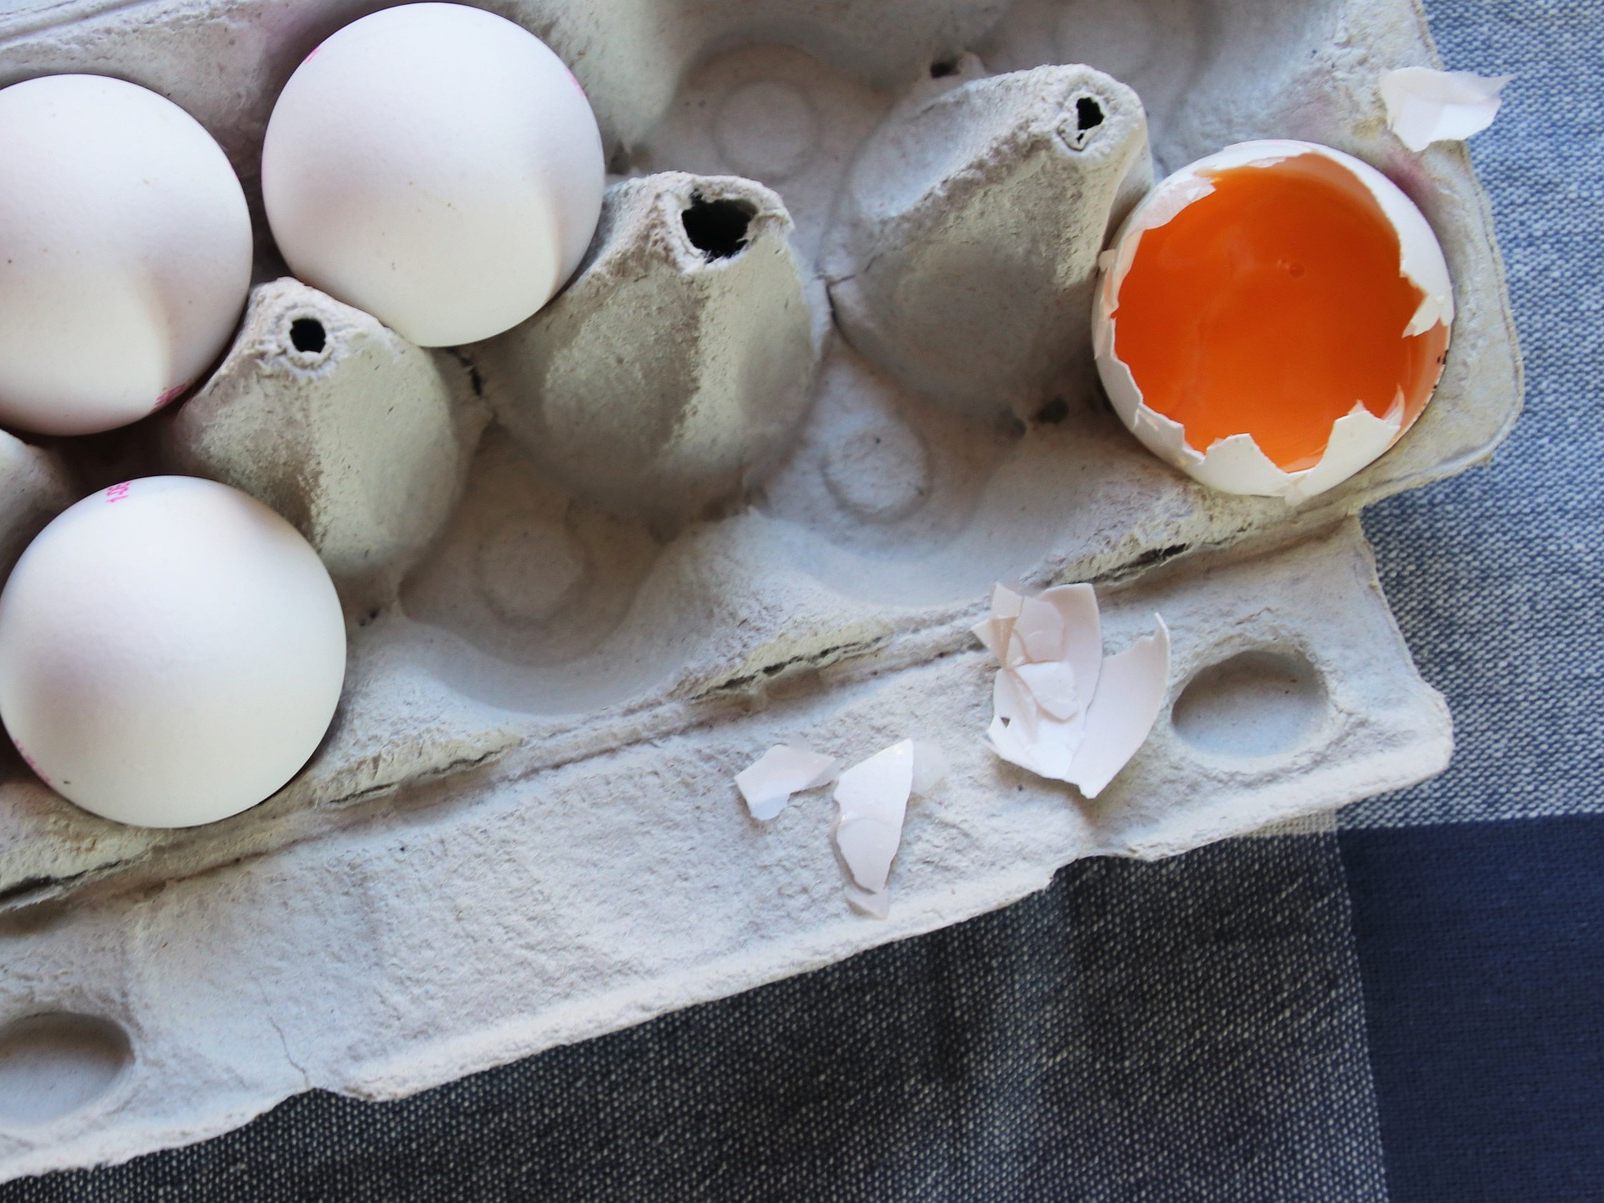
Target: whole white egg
(171, 652)
(125, 253)
(437, 166)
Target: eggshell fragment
(930, 767)
(125, 253)
(767, 784)
(1426, 106)
(171, 652)
(1236, 463)
(437, 166)
(1060, 709)
(1130, 694)
(872, 797)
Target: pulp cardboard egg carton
(822, 379)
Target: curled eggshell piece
(872, 797)
(1130, 694)
(1050, 652)
(1060, 710)
(1236, 462)
(768, 783)
(1426, 106)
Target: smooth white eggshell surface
(125, 253)
(171, 652)
(437, 166)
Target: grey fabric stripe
(1495, 576)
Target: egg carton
(822, 378)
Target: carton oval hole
(1256, 703)
(54, 1064)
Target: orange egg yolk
(1272, 305)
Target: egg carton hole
(719, 228)
(308, 336)
(57, 1063)
(1084, 118)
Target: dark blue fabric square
(1481, 948)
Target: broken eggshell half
(1235, 462)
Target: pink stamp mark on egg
(167, 398)
(118, 491)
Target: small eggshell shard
(1426, 106)
(125, 253)
(1272, 318)
(171, 652)
(1070, 715)
(996, 630)
(876, 906)
(1039, 629)
(868, 846)
(1079, 646)
(1130, 695)
(768, 783)
(437, 166)
(930, 767)
(872, 800)
(1044, 748)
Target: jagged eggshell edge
(1425, 105)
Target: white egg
(171, 652)
(125, 253)
(437, 166)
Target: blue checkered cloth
(1410, 1008)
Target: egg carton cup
(822, 378)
